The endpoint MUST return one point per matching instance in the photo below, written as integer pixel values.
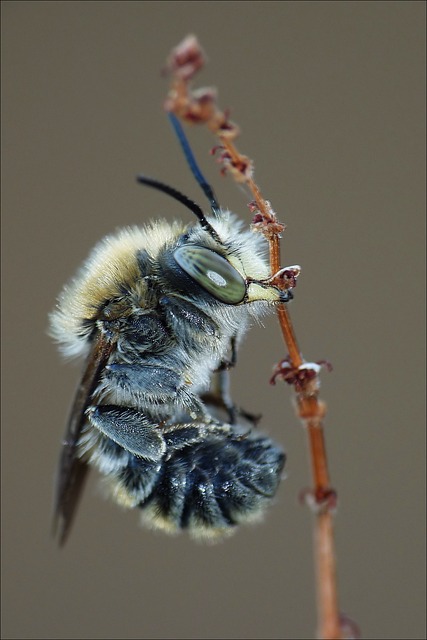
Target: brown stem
(282, 313)
(318, 457)
(329, 625)
(201, 107)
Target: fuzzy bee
(158, 312)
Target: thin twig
(201, 107)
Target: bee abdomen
(210, 487)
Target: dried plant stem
(327, 600)
(200, 107)
(311, 410)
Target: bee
(158, 312)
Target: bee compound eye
(212, 272)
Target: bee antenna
(177, 195)
(192, 163)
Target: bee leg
(147, 382)
(225, 365)
(130, 429)
(155, 384)
(219, 397)
(220, 388)
(181, 435)
(219, 394)
(143, 437)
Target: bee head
(205, 265)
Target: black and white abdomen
(205, 479)
(214, 485)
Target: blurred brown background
(330, 99)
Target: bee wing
(72, 471)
